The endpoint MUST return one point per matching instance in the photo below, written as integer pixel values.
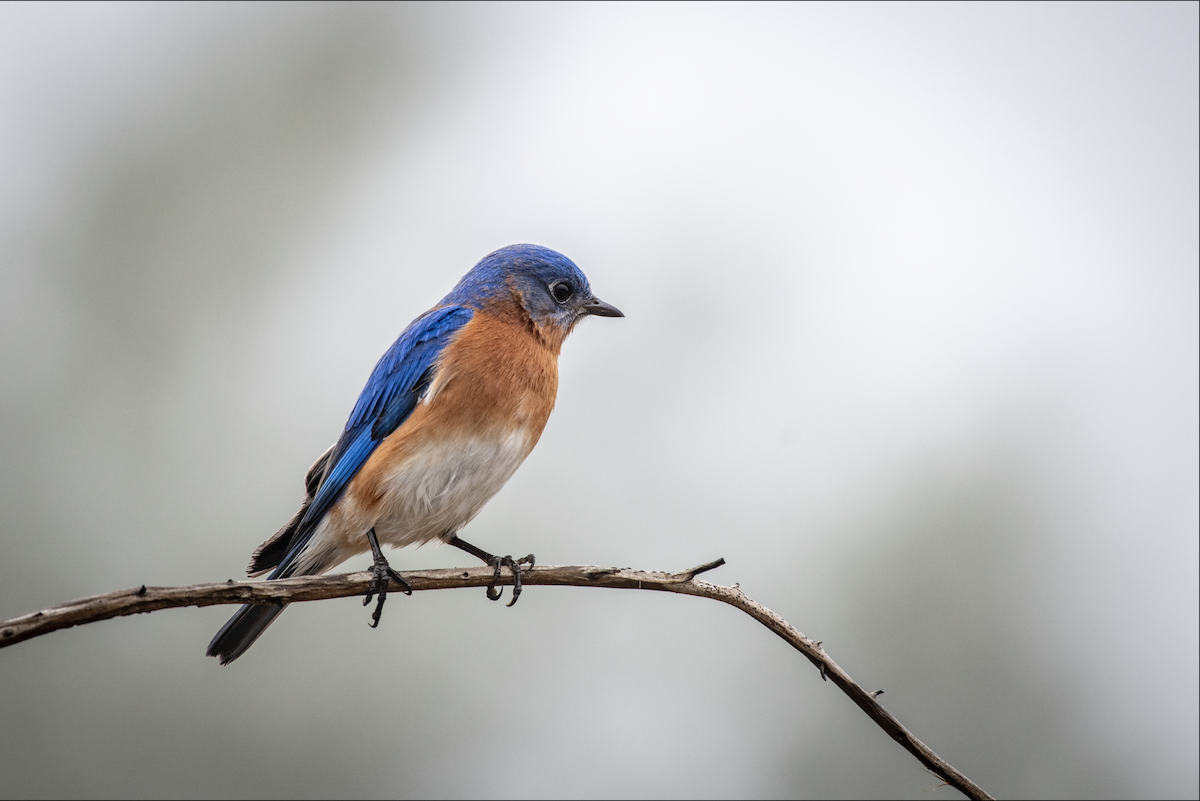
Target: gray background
(911, 341)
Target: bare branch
(317, 588)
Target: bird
(447, 416)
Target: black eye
(562, 291)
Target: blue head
(534, 281)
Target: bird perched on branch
(446, 418)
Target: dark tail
(249, 622)
(246, 626)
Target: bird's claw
(494, 592)
(382, 572)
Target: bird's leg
(496, 562)
(379, 582)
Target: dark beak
(599, 308)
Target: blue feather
(392, 392)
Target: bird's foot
(493, 592)
(496, 562)
(379, 581)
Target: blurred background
(911, 341)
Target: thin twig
(317, 588)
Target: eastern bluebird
(446, 418)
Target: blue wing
(392, 392)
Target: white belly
(432, 494)
(440, 489)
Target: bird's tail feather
(246, 626)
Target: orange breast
(496, 378)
